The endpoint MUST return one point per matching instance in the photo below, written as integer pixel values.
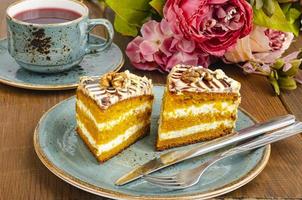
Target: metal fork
(190, 177)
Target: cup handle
(100, 47)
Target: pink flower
(159, 49)
(138, 59)
(262, 46)
(215, 25)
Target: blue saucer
(12, 74)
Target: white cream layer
(208, 108)
(110, 124)
(195, 129)
(113, 143)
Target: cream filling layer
(195, 129)
(110, 124)
(203, 109)
(113, 143)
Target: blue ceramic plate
(12, 74)
(64, 153)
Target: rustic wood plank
(292, 101)
(23, 176)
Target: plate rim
(120, 195)
(55, 87)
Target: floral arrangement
(252, 34)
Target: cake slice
(113, 112)
(198, 104)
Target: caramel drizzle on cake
(114, 87)
(188, 78)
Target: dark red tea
(47, 16)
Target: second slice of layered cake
(198, 104)
(113, 111)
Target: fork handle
(265, 139)
(255, 143)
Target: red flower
(215, 25)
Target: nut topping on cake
(106, 80)
(114, 87)
(190, 76)
(198, 79)
(116, 80)
(208, 76)
(193, 75)
(119, 80)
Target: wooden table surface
(23, 176)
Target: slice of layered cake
(113, 112)
(198, 104)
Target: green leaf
(158, 5)
(285, 7)
(258, 4)
(287, 83)
(129, 14)
(273, 75)
(275, 85)
(276, 74)
(292, 15)
(252, 2)
(277, 21)
(268, 7)
(278, 64)
(293, 70)
(123, 27)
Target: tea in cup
(51, 36)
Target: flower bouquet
(251, 34)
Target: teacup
(40, 39)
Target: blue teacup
(55, 45)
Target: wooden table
(23, 176)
